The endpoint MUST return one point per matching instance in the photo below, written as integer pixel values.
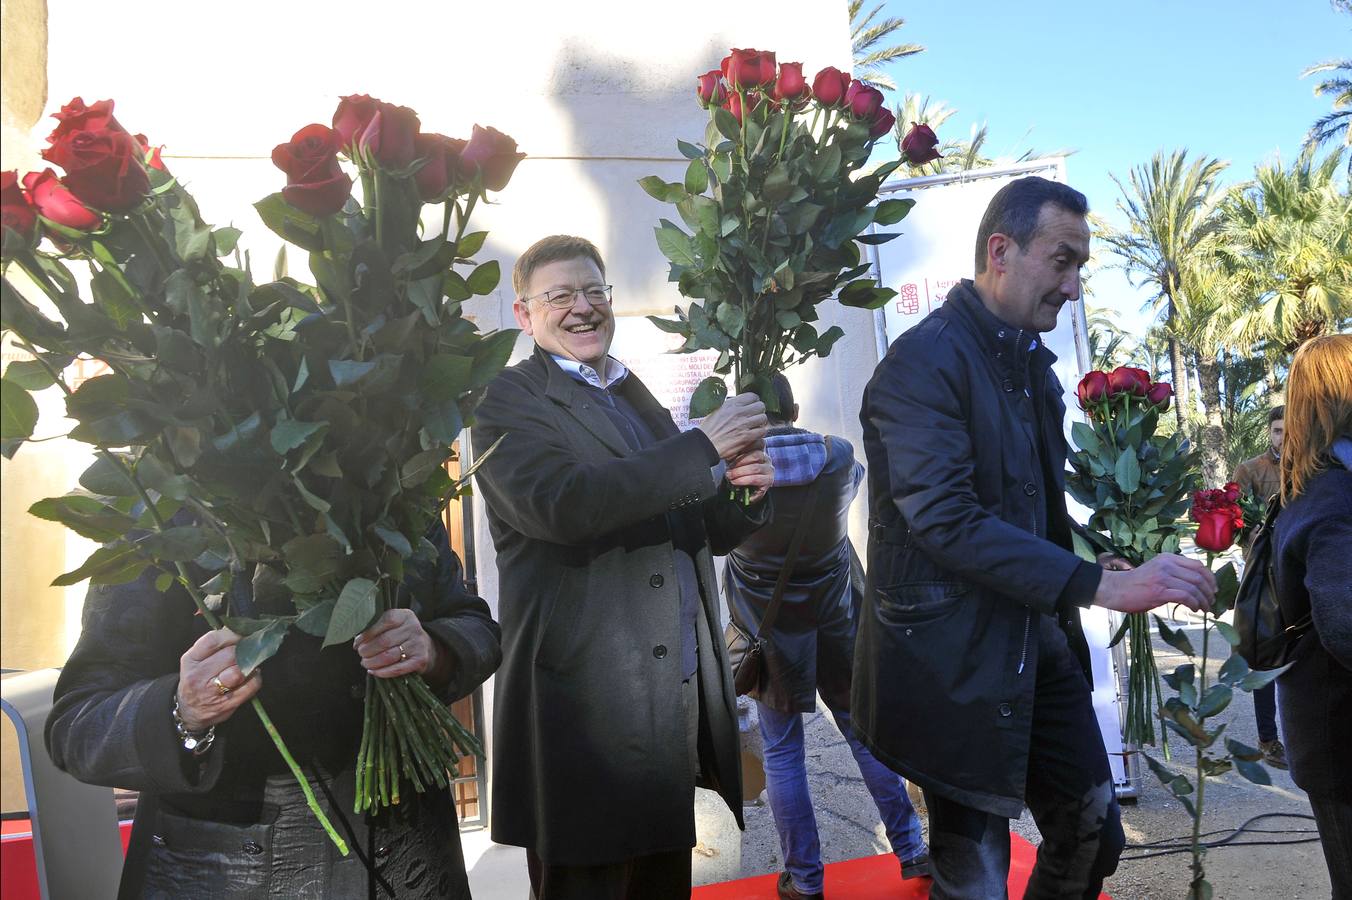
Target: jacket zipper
(1023, 654)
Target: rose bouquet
(1136, 482)
(277, 449)
(776, 202)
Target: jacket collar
(1013, 350)
(570, 394)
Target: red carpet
(869, 878)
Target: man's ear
(998, 247)
(794, 417)
(522, 316)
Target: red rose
(790, 86)
(863, 100)
(103, 168)
(441, 156)
(16, 213)
(152, 154)
(352, 116)
(1128, 380)
(749, 69)
(709, 88)
(57, 204)
(493, 154)
(882, 123)
(1159, 394)
(315, 183)
(388, 137)
(1093, 389)
(921, 145)
(734, 104)
(1231, 490)
(1216, 530)
(829, 86)
(75, 116)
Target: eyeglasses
(596, 294)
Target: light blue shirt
(615, 371)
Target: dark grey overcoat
(590, 757)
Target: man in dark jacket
(614, 699)
(810, 643)
(971, 673)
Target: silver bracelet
(195, 742)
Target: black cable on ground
(1167, 846)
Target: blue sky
(1118, 81)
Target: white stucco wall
(596, 92)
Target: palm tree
(1337, 84)
(870, 54)
(1288, 236)
(1170, 210)
(1109, 345)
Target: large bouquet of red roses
(281, 436)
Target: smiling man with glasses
(614, 699)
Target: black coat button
(1007, 385)
(657, 581)
(1006, 710)
(382, 852)
(253, 848)
(660, 651)
(1029, 488)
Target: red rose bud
(921, 145)
(16, 213)
(493, 155)
(75, 116)
(734, 104)
(882, 123)
(1159, 394)
(1231, 490)
(104, 168)
(388, 137)
(352, 116)
(57, 204)
(709, 88)
(863, 100)
(1093, 389)
(152, 154)
(315, 183)
(441, 156)
(790, 86)
(829, 86)
(747, 70)
(1128, 380)
(1215, 531)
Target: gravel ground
(849, 827)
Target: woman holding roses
(1314, 572)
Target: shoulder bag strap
(772, 611)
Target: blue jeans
(786, 783)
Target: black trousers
(1069, 792)
(656, 876)
(1333, 818)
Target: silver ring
(402, 655)
(220, 685)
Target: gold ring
(402, 655)
(220, 685)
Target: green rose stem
(185, 578)
(1198, 851)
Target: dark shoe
(915, 868)
(788, 892)
(1274, 754)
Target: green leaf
(32, 375)
(675, 244)
(312, 500)
(115, 297)
(889, 212)
(696, 176)
(1175, 638)
(353, 613)
(1086, 438)
(865, 294)
(88, 517)
(671, 326)
(1227, 585)
(655, 187)
(185, 297)
(708, 396)
(731, 319)
(1253, 771)
(315, 620)
(108, 479)
(255, 649)
(445, 377)
(1240, 750)
(289, 434)
(491, 354)
(484, 278)
(1127, 473)
(1260, 679)
(1227, 631)
(1178, 785)
(688, 150)
(164, 582)
(1234, 670)
(470, 244)
(422, 465)
(372, 376)
(1216, 698)
(727, 124)
(312, 561)
(178, 544)
(395, 540)
(226, 240)
(18, 412)
(301, 229)
(117, 564)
